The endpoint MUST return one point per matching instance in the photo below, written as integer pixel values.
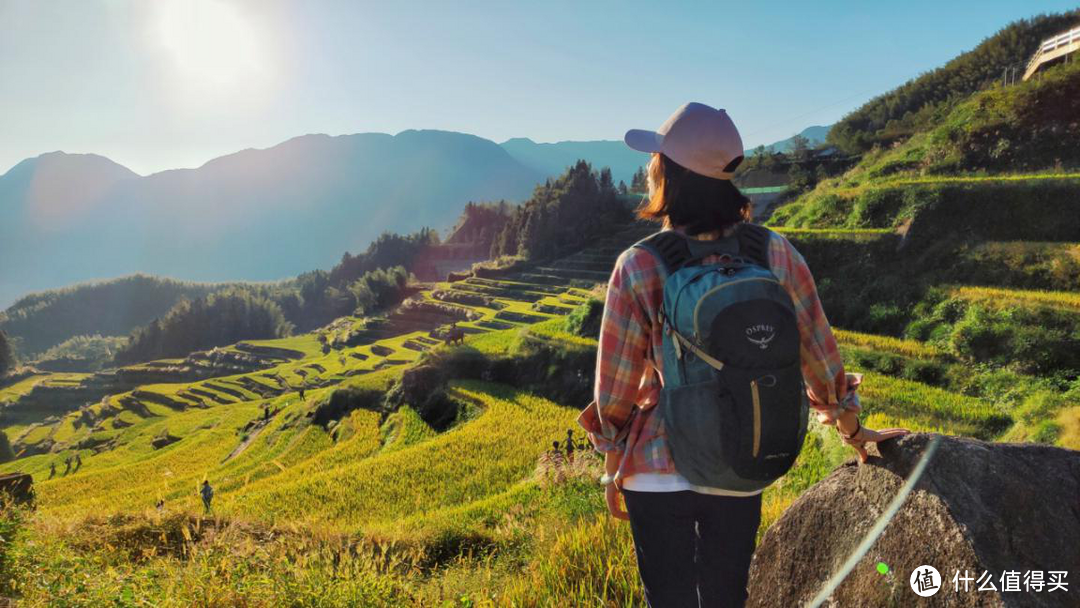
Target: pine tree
(639, 183)
(7, 453)
(7, 358)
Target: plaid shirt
(628, 366)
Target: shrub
(585, 319)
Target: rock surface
(978, 507)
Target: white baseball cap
(698, 137)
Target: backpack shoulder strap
(754, 243)
(669, 247)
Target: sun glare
(213, 45)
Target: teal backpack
(733, 404)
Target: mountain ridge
(71, 217)
(250, 215)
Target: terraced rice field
(394, 477)
(1068, 301)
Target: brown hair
(694, 202)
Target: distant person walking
(52, 469)
(78, 461)
(207, 493)
(301, 393)
(673, 371)
(67, 465)
(570, 445)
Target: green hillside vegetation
(111, 308)
(221, 318)
(81, 353)
(486, 513)
(120, 307)
(562, 215)
(905, 110)
(1006, 151)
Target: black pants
(693, 549)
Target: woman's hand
(612, 491)
(853, 433)
(613, 497)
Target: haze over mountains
(259, 214)
(815, 136)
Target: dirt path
(252, 434)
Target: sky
(164, 84)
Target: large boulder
(979, 507)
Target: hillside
(1006, 152)
(247, 215)
(895, 115)
(389, 401)
(112, 308)
(168, 318)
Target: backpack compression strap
(673, 249)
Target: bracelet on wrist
(858, 427)
(607, 480)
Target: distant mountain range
(817, 135)
(553, 159)
(260, 214)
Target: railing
(1052, 44)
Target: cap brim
(644, 141)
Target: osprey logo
(761, 335)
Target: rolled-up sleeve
(620, 360)
(822, 365)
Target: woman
(694, 542)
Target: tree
(606, 182)
(799, 179)
(225, 317)
(640, 182)
(562, 214)
(7, 453)
(7, 358)
(800, 148)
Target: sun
(211, 45)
